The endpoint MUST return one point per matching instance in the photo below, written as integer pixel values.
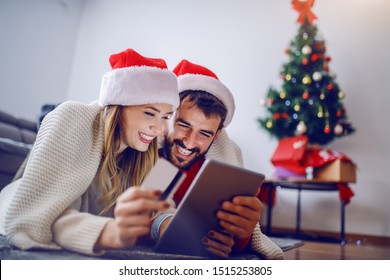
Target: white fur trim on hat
(139, 85)
(210, 85)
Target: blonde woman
(79, 188)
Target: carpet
(287, 243)
(8, 252)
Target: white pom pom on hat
(192, 76)
(137, 80)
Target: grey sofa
(17, 136)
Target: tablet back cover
(215, 182)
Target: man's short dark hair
(207, 103)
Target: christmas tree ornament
(338, 113)
(338, 129)
(320, 112)
(287, 51)
(322, 95)
(262, 102)
(282, 95)
(297, 107)
(305, 61)
(317, 76)
(301, 128)
(305, 36)
(341, 95)
(269, 124)
(327, 129)
(325, 67)
(329, 87)
(270, 101)
(306, 50)
(306, 80)
(305, 95)
(288, 77)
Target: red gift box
(290, 153)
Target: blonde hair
(121, 171)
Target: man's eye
(183, 125)
(205, 135)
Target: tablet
(196, 215)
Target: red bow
(303, 8)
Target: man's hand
(218, 243)
(240, 216)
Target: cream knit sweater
(50, 206)
(55, 204)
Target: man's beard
(180, 163)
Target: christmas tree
(310, 102)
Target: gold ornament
(288, 77)
(282, 95)
(269, 124)
(341, 95)
(306, 80)
(322, 95)
(297, 107)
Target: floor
(335, 251)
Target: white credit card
(164, 176)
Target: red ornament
(287, 51)
(303, 8)
(305, 61)
(316, 56)
(326, 67)
(327, 129)
(305, 95)
(338, 114)
(283, 77)
(328, 59)
(329, 87)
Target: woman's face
(142, 123)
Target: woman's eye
(149, 114)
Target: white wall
(243, 42)
(37, 40)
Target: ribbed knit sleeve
(226, 150)
(62, 164)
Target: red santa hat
(191, 76)
(137, 80)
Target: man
(206, 107)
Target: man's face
(192, 135)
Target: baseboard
(359, 239)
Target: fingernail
(211, 233)
(166, 205)
(157, 193)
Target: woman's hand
(132, 218)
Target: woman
(76, 190)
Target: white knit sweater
(51, 206)
(55, 204)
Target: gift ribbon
(303, 8)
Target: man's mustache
(181, 144)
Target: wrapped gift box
(289, 154)
(338, 170)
